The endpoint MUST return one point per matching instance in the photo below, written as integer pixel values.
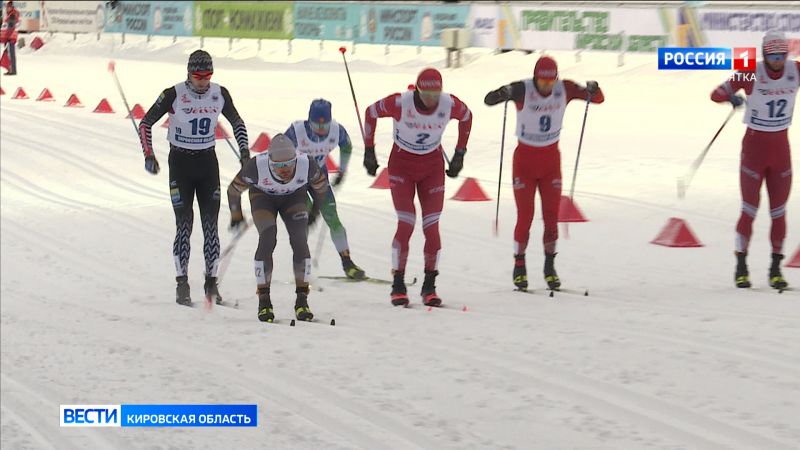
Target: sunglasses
(776, 57)
(546, 82)
(430, 95)
(202, 75)
(283, 164)
(316, 126)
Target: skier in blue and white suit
(317, 137)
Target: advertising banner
(157, 17)
(408, 23)
(259, 20)
(73, 17)
(326, 21)
(553, 27)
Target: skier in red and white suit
(771, 92)
(416, 165)
(541, 102)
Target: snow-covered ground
(664, 353)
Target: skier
(194, 106)
(281, 178)
(317, 137)
(416, 164)
(541, 102)
(8, 36)
(771, 92)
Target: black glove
(502, 94)
(237, 222)
(370, 161)
(592, 87)
(151, 164)
(736, 100)
(457, 163)
(245, 156)
(338, 179)
(313, 214)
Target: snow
(663, 353)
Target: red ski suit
(765, 157)
(411, 172)
(540, 168)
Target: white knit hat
(281, 148)
(775, 42)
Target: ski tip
(333, 322)
(291, 324)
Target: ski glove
(457, 163)
(237, 222)
(245, 156)
(592, 87)
(736, 100)
(151, 164)
(338, 179)
(370, 161)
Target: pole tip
(342, 49)
(111, 65)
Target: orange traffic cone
(20, 94)
(332, 167)
(676, 233)
(795, 261)
(471, 191)
(262, 143)
(73, 102)
(137, 112)
(103, 107)
(382, 181)
(568, 211)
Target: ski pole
(353, 92)
(112, 68)
(500, 173)
(684, 182)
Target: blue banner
(189, 415)
(326, 21)
(406, 23)
(157, 17)
(679, 58)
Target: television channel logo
(707, 58)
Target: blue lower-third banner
(159, 415)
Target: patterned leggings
(190, 175)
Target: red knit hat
(545, 69)
(429, 80)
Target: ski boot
(742, 276)
(550, 276)
(429, 297)
(350, 268)
(776, 279)
(265, 313)
(399, 294)
(520, 273)
(301, 309)
(210, 287)
(182, 291)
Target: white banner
(28, 15)
(555, 27)
(738, 28)
(71, 16)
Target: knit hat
(320, 112)
(545, 69)
(281, 148)
(429, 80)
(774, 42)
(200, 61)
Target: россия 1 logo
(707, 58)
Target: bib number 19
(202, 125)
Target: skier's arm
(385, 107)
(239, 129)
(726, 92)
(460, 111)
(345, 150)
(162, 106)
(247, 176)
(574, 91)
(514, 91)
(289, 133)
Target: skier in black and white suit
(281, 178)
(194, 107)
